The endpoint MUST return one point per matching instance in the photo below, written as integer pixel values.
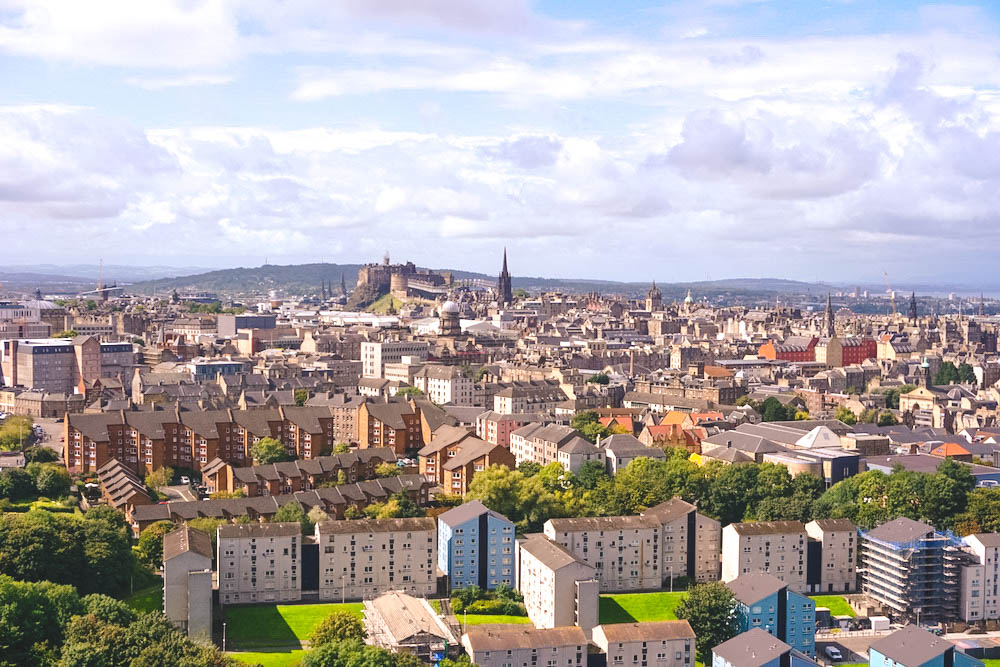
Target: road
(53, 434)
(180, 492)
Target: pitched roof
(648, 631)
(755, 586)
(753, 648)
(491, 638)
(346, 526)
(900, 530)
(258, 530)
(911, 645)
(404, 616)
(669, 510)
(549, 553)
(467, 511)
(183, 539)
(950, 449)
(627, 522)
(768, 527)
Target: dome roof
(449, 307)
(688, 298)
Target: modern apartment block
(376, 354)
(776, 547)
(910, 568)
(653, 644)
(623, 550)
(497, 428)
(832, 556)
(476, 547)
(259, 562)
(692, 541)
(187, 581)
(559, 589)
(979, 592)
(764, 601)
(363, 559)
(395, 424)
(540, 443)
(524, 646)
(631, 553)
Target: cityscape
(503, 334)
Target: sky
(815, 140)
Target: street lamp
(671, 578)
(223, 636)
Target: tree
(967, 375)
(51, 481)
(711, 610)
(590, 475)
(398, 506)
(301, 396)
(149, 549)
(523, 500)
(529, 468)
(16, 433)
(159, 478)
(731, 492)
(349, 653)
(599, 378)
(844, 414)
(341, 448)
(947, 374)
(982, 514)
(887, 419)
(409, 392)
(34, 615)
(108, 609)
(336, 627)
(293, 512)
(38, 454)
(66, 333)
(317, 515)
(771, 410)
(387, 470)
(16, 484)
(268, 450)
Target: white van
(834, 654)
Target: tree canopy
(711, 610)
(269, 450)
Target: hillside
(307, 278)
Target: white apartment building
(979, 590)
(524, 646)
(259, 562)
(776, 547)
(655, 644)
(558, 588)
(445, 385)
(363, 559)
(623, 550)
(376, 354)
(838, 550)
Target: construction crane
(892, 296)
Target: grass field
(284, 659)
(147, 599)
(486, 619)
(837, 605)
(639, 607)
(278, 625)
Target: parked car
(834, 653)
(186, 480)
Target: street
(52, 433)
(179, 492)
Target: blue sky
(628, 140)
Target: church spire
(505, 294)
(831, 328)
(913, 308)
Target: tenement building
(259, 562)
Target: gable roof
(911, 645)
(184, 539)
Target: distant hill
(308, 278)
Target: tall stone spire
(913, 308)
(343, 286)
(505, 295)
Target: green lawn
(276, 659)
(435, 605)
(486, 619)
(278, 625)
(147, 599)
(639, 607)
(837, 605)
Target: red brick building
(797, 350)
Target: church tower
(913, 308)
(505, 295)
(654, 298)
